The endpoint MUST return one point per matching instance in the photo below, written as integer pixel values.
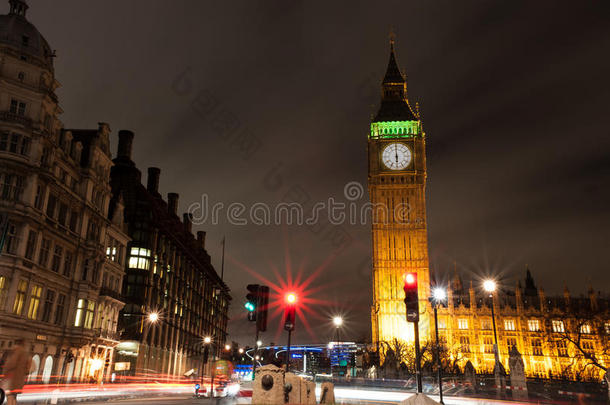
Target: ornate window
(537, 347)
(34, 302)
(48, 306)
(462, 323)
(22, 289)
(533, 325)
(562, 348)
(139, 258)
(509, 324)
(558, 326)
(585, 328)
(11, 186)
(11, 240)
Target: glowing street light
(439, 294)
(489, 286)
(241, 350)
(227, 347)
(207, 340)
(338, 321)
(153, 317)
(259, 343)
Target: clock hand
(396, 152)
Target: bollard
(268, 387)
(328, 393)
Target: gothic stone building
(169, 273)
(553, 334)
(539, 327)
(61, 266)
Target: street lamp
(153, 317)
(338, 322)
(227, 347)
(438, 296)
(207, 340)
(490, 286)
(241, 350)
(259, 343)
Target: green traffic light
(249, 306)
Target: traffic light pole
(255, 354)
(417, 357)
(288, 350)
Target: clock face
(396, 156)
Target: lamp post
(151, 318)
(438, 295)
(490, 287)
(207, 342)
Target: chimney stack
(125, 144)
(172, 203)
(201, 238)
(153, 180)
(188, 222)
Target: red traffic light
(411, 296)
(410, 279)
(290, 298)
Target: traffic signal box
(411, 296)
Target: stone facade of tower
(397, 184)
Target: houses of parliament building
(564, 336)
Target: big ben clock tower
(397, 184)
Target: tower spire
(394, 103)
(18, 7)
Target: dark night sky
(514, 99)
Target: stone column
(518, 381)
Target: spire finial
(392, 37)
(18, 7)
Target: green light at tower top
(395, 129)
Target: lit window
(139, 258)
(442, 324)
(89, 315)
(533, 325)
(465, 343)
(462, 323)
(585, 328)
(488, 345)
(509, 324)
(558, 326)
(486, 324)
(22, 289)
(34, 302)
(80, 309)
(510, 342)
(537, 347)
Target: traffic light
(262, 308)
(290, 311)
(252, 301)
(411, 296)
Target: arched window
(34, 368)
(46, 372)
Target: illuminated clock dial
(396, 156)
